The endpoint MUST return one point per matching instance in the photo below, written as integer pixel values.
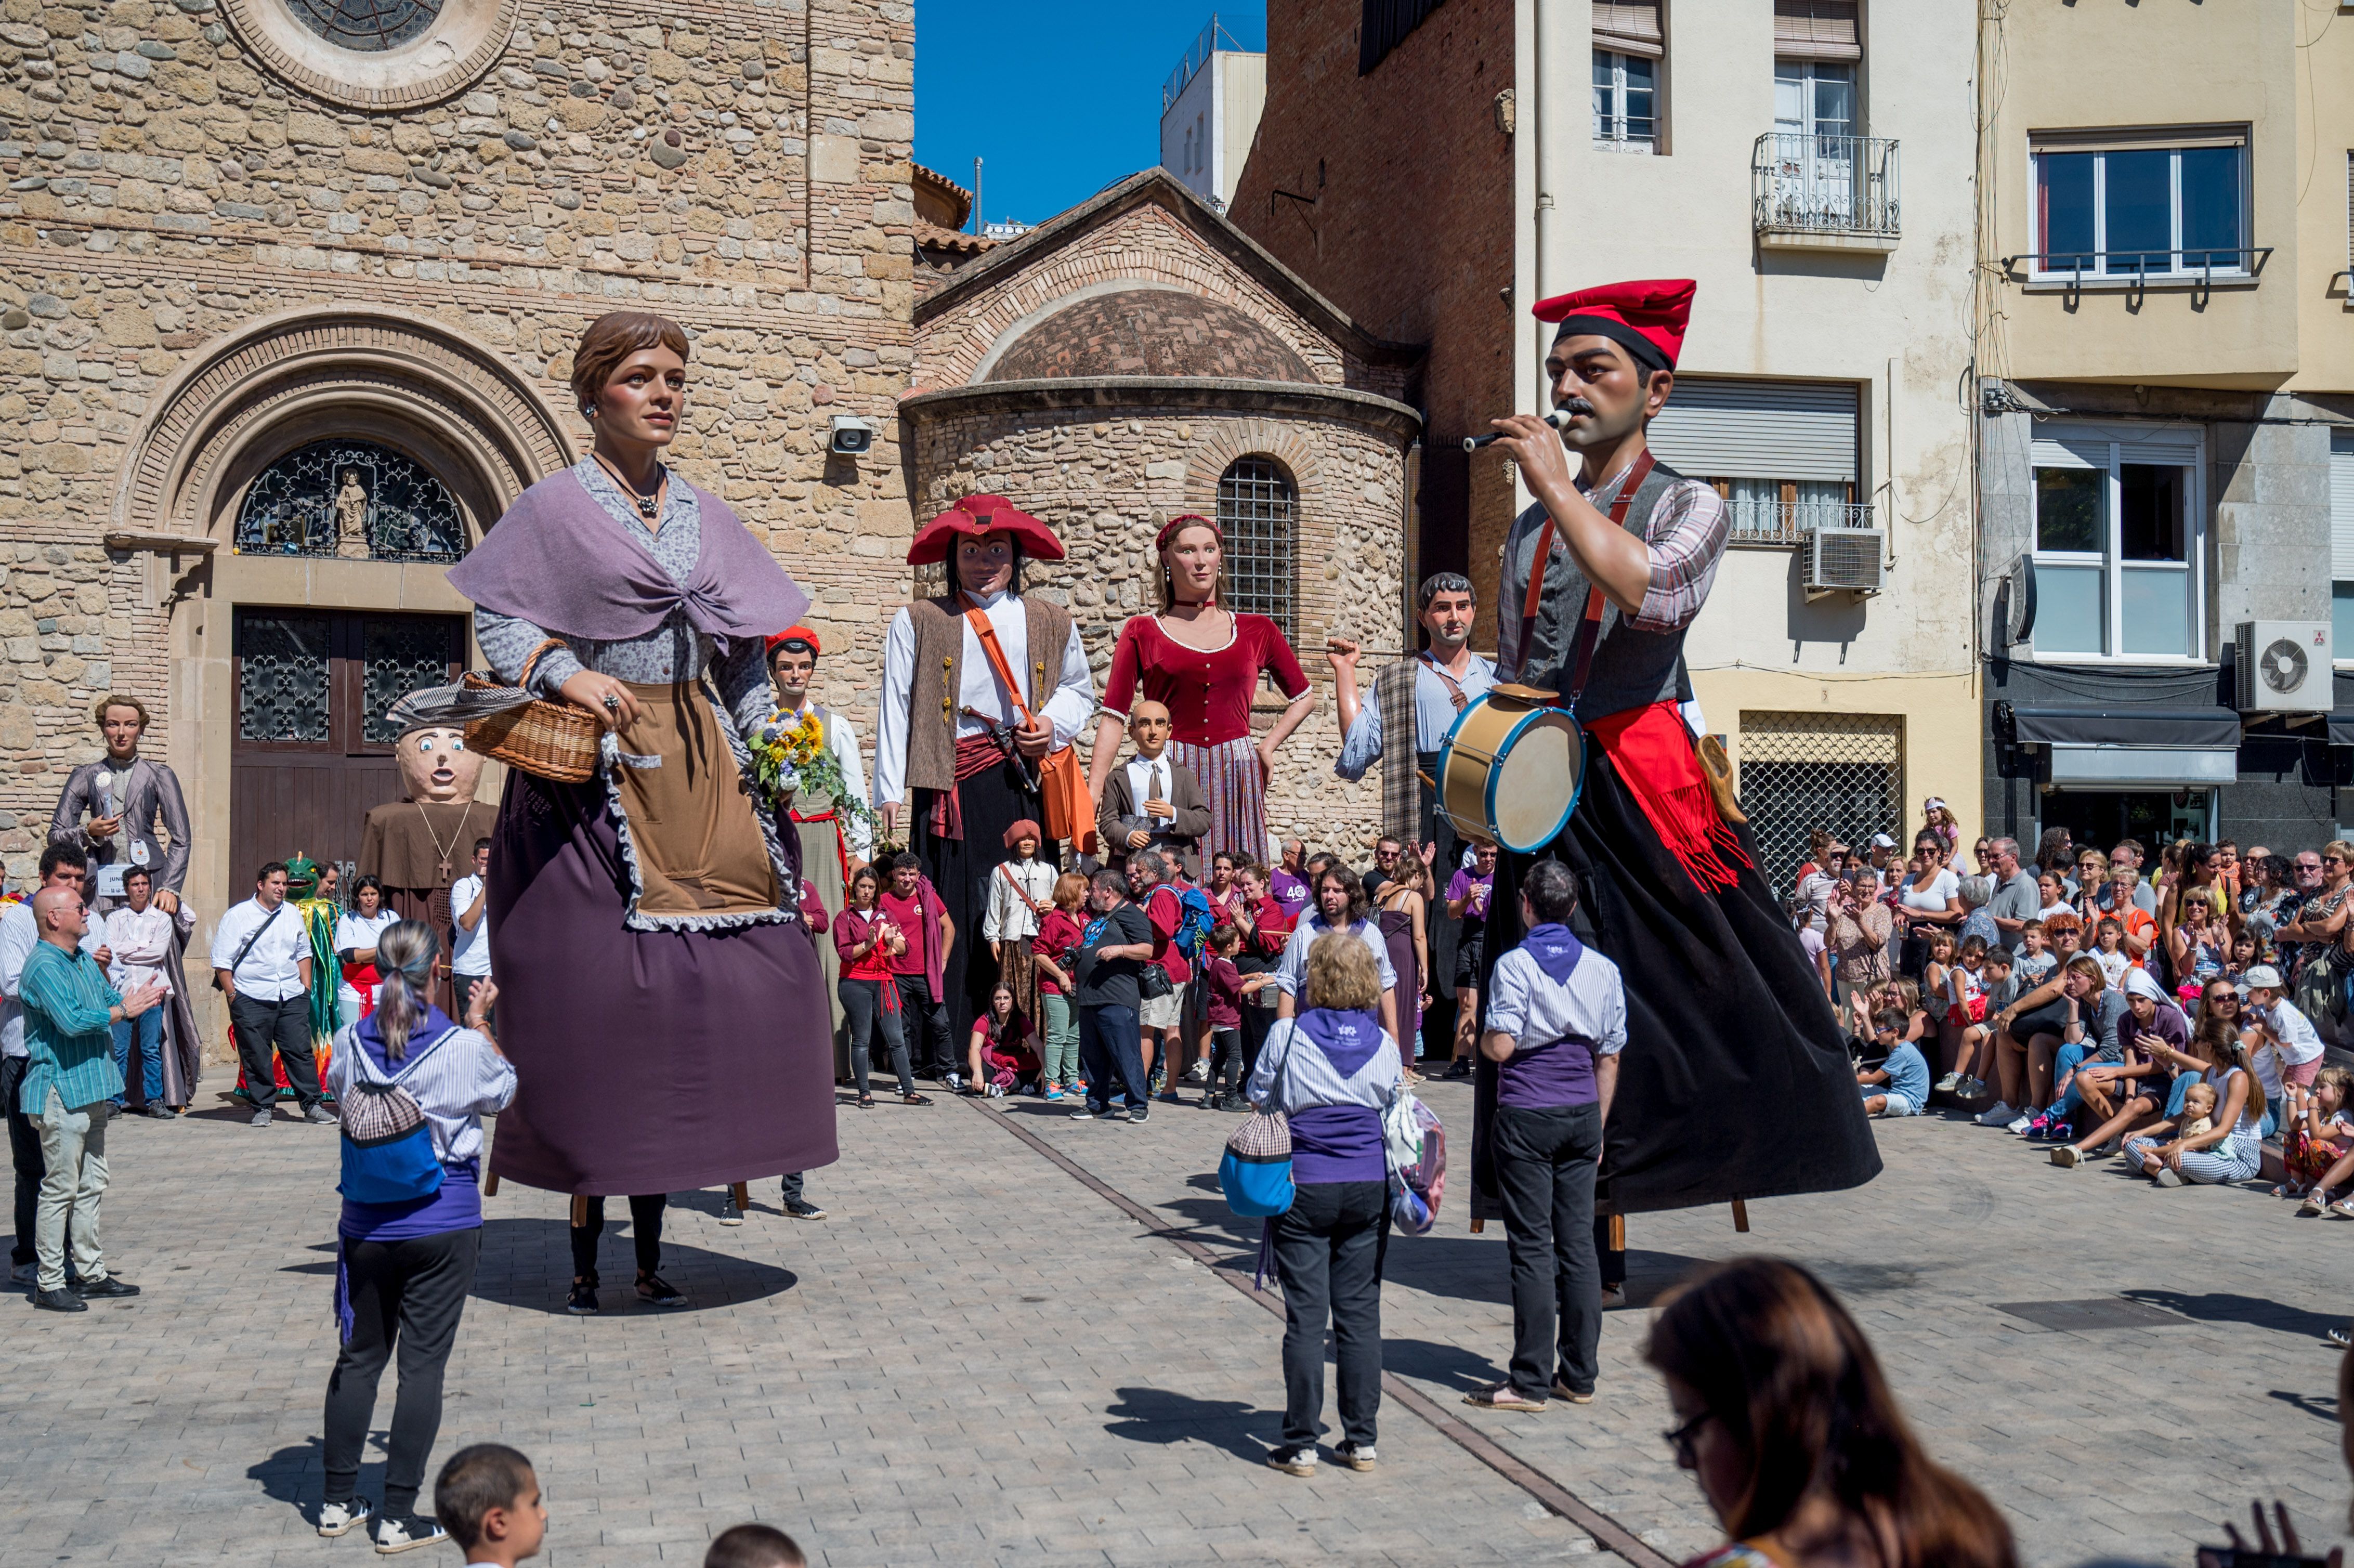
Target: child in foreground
(753, 1546)
(488, 1498)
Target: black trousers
(1112, 1056)
(988, 802)
(24, 1156)
(924, 1023)
(1545, 1161)
(645, 1233)
(1226, 1062)
(1328, 1248)
(463, 985)
(408, 1294)
(283, 1027)
(864, 1013)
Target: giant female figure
(657, 1002)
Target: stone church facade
(287, 294)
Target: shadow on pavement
(528, 1264)
(2225, 1307)
(1457, 1368)
(293, 1475)
(1157, 1415)
(2320, 1406)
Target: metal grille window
(396, 657)
(1257, 511)
(282, 688)
(1842, 773)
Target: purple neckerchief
(559, 561)
(1347, 1039)
(1556, 950)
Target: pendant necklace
(440, 855)
(649, 506)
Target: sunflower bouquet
(791, 758)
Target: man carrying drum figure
(1734, 1081)
(1418, 696)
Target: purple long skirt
(645, 1062)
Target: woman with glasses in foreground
(1785, 1419)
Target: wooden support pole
(1740, 1216)
(743, 1194)
(491, 1185)
(580, 1209)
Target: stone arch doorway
(309, 480)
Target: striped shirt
(68, 1030)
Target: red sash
(1652, 749)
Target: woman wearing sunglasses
(1784, 1417)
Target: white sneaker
(1998, 1116)
(341, 1517)
(955, 1083)
(1949, 1083)
(2021, 1123)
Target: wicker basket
(555, 741)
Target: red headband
(1170, 529)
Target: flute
(1557, 419)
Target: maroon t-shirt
(908, 914)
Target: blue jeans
(147, 1031)
(1109, 1047)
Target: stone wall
(740, 164)
(1107, 479)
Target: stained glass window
(370, 25)
(352, 499)
(282, 686)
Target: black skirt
(1735, 1082)
(990, 801)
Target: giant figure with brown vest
(981, 687)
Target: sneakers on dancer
(1199, 1073)
(407, 1534)
(320, 1116)
(1140, 1113)
(1356, 1456)
(802, 1209)
(342, 1517)
(1053, 1096)
(584, 1297)
(261, 1116)
(1300, 1461)
(1998, 1114)
(1083, 1112)
(656, 1291)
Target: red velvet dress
(1208, 695)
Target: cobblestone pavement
(979, 1358)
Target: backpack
(1193, 923)
(387, 1146)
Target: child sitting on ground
(2320, 1131)
(1901, 1079)
(1001, 1053)
(2198, 1110)
(2000, 990)
(487, 1497)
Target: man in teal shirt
(69, 1088)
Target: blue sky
(1059, 98)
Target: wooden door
(314, 750)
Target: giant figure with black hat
(979, 686)
(1735, 1083)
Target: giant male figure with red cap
(979, 686)
(1734, 1081)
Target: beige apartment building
(2165, 391)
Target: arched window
(352, 499)
(1258, 510)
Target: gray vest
(1632, 668)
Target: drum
(1511, 769)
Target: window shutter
(2350, 209)
(1629, 28)
(1759, 429)
(2341, 507)
(1815, 30)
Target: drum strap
(1589, 628)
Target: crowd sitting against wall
(2172, 1016)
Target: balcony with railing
(1813, 192)
(1769, 519)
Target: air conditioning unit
(1842, 559)
(2283, 666)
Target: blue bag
(1256, 1171)
(387, 1145)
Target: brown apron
(699, 849)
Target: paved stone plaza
(980, 1358)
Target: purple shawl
(1347, 1039)
(1556, 951)
(559, 561)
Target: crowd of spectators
(2174, 1016)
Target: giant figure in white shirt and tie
(957, 753)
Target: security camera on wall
(851, 435)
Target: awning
(2140, 726)
(2341, 730)
(2143, 766)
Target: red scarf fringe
(1652, 750)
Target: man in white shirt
(140, 933)
(834, 841)
(957, 748)
(262, 961)
(469, 935)
(63, 864)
